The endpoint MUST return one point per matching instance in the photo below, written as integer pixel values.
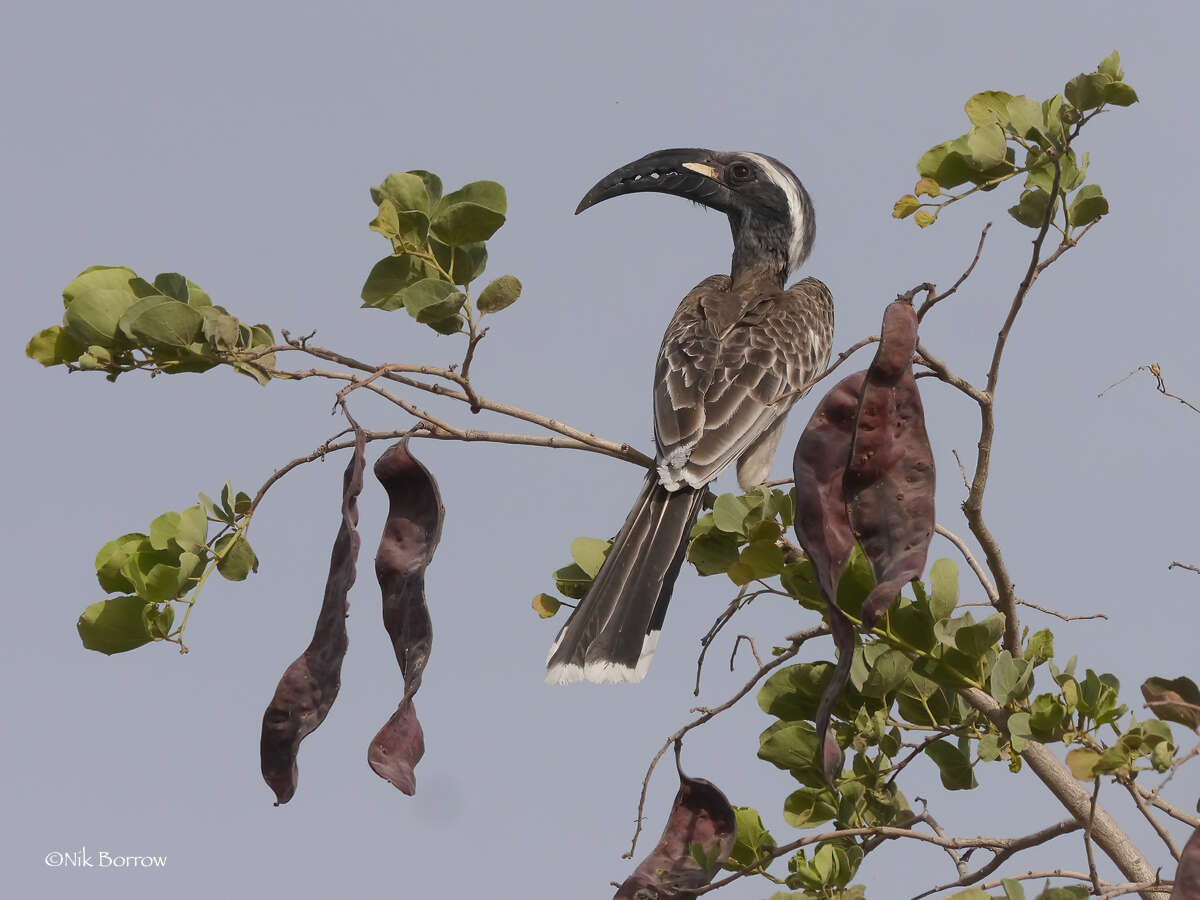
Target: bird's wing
(724, 360)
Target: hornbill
(733, 356)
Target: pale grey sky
(235, 143)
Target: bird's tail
(612, 634)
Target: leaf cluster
(1006, 128)
(150, 572)
(439, 244)
(116, 321)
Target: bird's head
(769, 210)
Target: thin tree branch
(1166, 806)
(1003, 852)
(973, 506)
(961, 545)
(392, 372)
(1158, 827)
(1107, 834)
(930, 302)
(797, 641)
(1087, 839)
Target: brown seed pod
(700, 815)
(310, 684)
(410, 536)
(889, 481)
(864, 471)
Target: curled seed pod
(822, 528)
(310, 684)
(822, 525)
(864, 471)
(701, 823)
(410, 536)
(889, 481)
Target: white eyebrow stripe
(795, 205)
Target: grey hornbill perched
(736, 350)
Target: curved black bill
(686, 172)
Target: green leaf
(946, 163)
(156, 575)
(730, 512)
(752, 839)
(976, 640)
(970, 894)
(235, 558)
(989, 747)
(912, 623)
(114, 625)
(93, 316)
(434, 302)
(192, 529)
(1004, 677)
(1025, 118)
(589, 553)
(953, 766)
(986, 145)
(1019, 732)
(571, 581)
(469, 259)
(472, 213)
(1086, 91)
(168, 323)
(1040, 646)
(389, 277)
(1013, 889)
(887, 673)
(172, 284)
(943, 585)
(500, 294)
(405, 191)
(196, 296)
(158, 621)
(1088, 205)
(988, 108)
(545, 605)
(762, 559)
(1052, 121)
(1082, 763)
(809, 806)
(1120, 94)
(927, 187)
(111, 560)
(1031, 209)
(1173, 700)
(1113, 760)
(905, 206)
(163, 530)
(1046, 717)
(161, 321)
(1111, 66)
(53, 346)
(433, 184)
(99, 278)
(790, 745)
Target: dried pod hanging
(310, 684)
(864, 472)
(410, 536)
(696, 842)
(890, 477)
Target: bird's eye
(741, 172)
